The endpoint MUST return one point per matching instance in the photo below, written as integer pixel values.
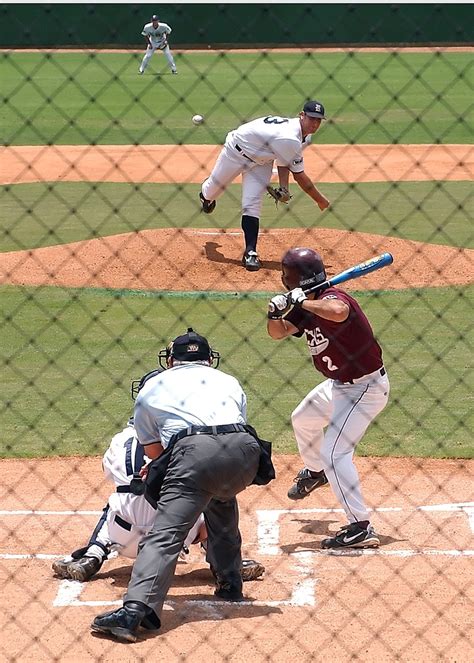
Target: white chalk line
(69, 593)
(73, 512)
(454, 552)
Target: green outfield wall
(238, 25)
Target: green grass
(45, 214)
(76, 98)
(70, 355)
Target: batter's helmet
(302, 268)
(189, 347)
(139, 384)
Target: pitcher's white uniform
(128, 517)
(251, 150)
(157, 37)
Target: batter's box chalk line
(268, 528)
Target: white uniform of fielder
(250, 151)
(156, 36)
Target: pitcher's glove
(279, 194)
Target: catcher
(250, 151)
(128, 516)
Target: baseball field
(105, 257)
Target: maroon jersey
(340, 350)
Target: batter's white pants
(149, 52)
(345, 410)
(255, 179)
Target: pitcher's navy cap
(314, 109)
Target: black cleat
(251, 261)
(121, 624)
(229, 591)
(353, 536)
(60, 568)
(84, 568)
(251, 570)
(305, 482)
(208, 206)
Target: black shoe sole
(122, 634)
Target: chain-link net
(110, 249)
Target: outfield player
(331, 420)
(250, 151)
(156, 37)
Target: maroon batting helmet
(302, 268)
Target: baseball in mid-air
(197, 119)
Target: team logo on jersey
(317, 342)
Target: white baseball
(197, 119)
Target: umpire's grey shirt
(191, 394)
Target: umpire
(192, 419)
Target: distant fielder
(156, 36)
(250, 151)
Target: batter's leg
(355, 406)
(309, 419)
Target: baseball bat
(354, 272)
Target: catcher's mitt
(279, 194)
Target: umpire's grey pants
(205, 474)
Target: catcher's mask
(189, 347)
(139, 384)
(302, 268)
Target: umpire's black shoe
(123, 623)
(229, 591)
(208, 206)
(305, 482)
(251, 261)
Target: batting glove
(278, 306)
(296, 297)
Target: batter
(331, 420)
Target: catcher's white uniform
(127, 517)
(157, 38)
(251, 150)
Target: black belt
(123, 523)
(239, 149)
(382, 371)
(207, 430)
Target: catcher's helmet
(189, 347)
(302, 268)
(139, 384)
